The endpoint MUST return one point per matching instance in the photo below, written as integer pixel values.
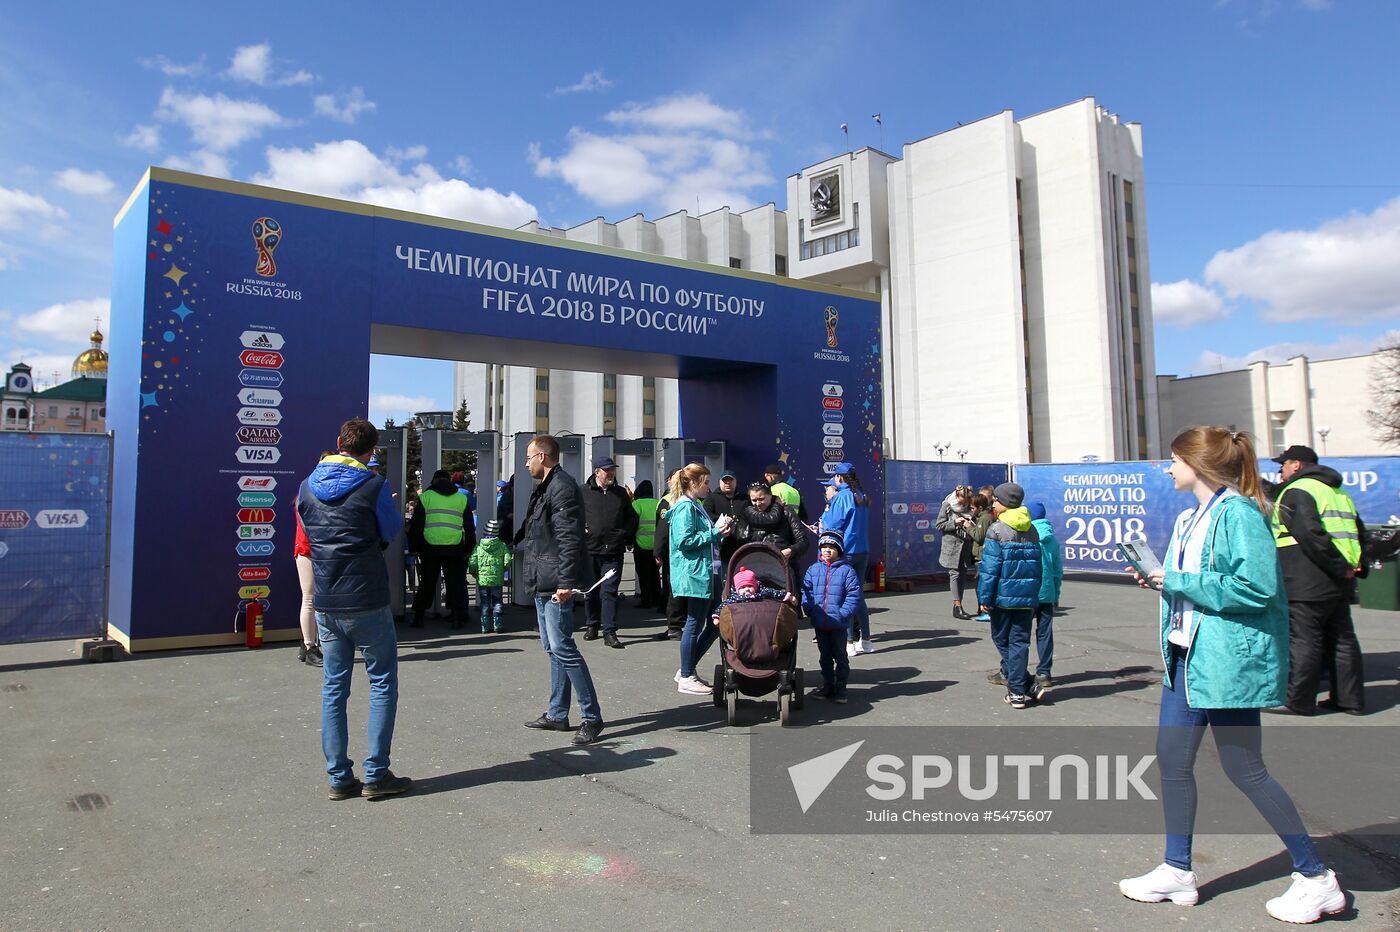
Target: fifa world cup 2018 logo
(267, 233)
(832, 318)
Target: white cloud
(201, 162)
(253, 63)
(345, 107)
(143, 136)
(1210, 361)
(174, 69)
(1185, 304)
(44, 364)
(348, 169)
(593, 81)
(670, 153)
(87, 184)
(69, 321)
(17, 207)
(1343, 270)
(400, 407)
(217, 123)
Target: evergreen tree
(461, 460)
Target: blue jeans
(860, 624)
(373, 633)
(1011, 632)
(1044, 637)
(835, 662)
(567, 668)
(1180, 729)
(490, 605)
(698, 634)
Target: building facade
(78, 406)
(1318, 404)
(1011, 260)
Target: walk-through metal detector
(394, 459)
(679, 451)
(646, 454)
(486, 444)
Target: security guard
(1318, 533)
(442, 535)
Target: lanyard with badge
(1183, 539)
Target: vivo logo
(257, 378)
(260, 397)
(61, 518)
(256, 548)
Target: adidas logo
(261, 342)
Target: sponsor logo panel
(917, 508)
(61, 518)
(259, 454)
(259, 416)
(260, 397)
(256, 531)
(259, 378)
(257, 483)
(833, 390)
(266, 436)
(833, 456)
(254, 573)
(260, 359)
(833, 404)
(254, 592)
(834, 430)
(261, 340)
(837, 442)
(13, 519)
(256, 548)
(257, 499)
(833, 416)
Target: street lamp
(942, 448)
(1323, 432)
(962, 454)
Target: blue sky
(1273, 196)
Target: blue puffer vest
(346, 556)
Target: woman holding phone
(1224, 641)
(695, 569)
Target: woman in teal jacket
(695, 568)
(1224, 637)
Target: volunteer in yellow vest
(442, 535)
(1318, 534)
(644, 504)
(776, 477)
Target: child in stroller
(758, 629)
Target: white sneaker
(1308, 899)
(865, 647)
(677, 677)
(692, 686)
(1163, 882)
(852, 649)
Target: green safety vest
(442, 525)
(646, 526)
(787, 493)
(1338, 515)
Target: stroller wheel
(717, 694)
(785, 708)
(799, 691)
(731, 699)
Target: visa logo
(61, 518)
(259, 454)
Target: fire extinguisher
(880, 576)
(254, 624)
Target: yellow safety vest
(442, 525)
(646, 521)
(1338, 514)
(787, 494)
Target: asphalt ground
(187, 791)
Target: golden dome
(92, 363)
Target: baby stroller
(758, 640)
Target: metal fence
(55, 499)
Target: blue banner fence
(53, 535)
(913, 492)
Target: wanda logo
(261, 359)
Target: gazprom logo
(260, 397)
(256, 548)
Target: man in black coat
(554, 558)
(730, 500)
(611, 523)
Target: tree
(460, 460)
(415, 447)
(1385, 379)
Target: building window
(609, 409)
(1278, 424)
(53, 410)
(541, 383)
(736, 263)
(649, 407)
(780, 265)
(75, 411)
(648, 432)
(610, 380)
(834, 242)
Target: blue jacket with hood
(850, 516)
(1010, 573)
(831, 594)
(1052, 567)
(350, 516)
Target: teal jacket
(489, 561)
(1052, 567)
(691, 537)
(1238, 658)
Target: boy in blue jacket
(1008, 588)
(831, 597)
(1052, 574)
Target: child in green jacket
(488, 564)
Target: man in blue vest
(443, 536)
(350, 517)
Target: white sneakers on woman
(1307, 900)
(692, 685)
(1163, 882)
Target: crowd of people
(1254, 603)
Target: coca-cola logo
(261, 359)
(264, 436)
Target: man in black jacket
(611, 523)
(728, 499)
(1319, 548)
(551, 547)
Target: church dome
(92, 362)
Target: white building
(1318, 404)
(1011, 261)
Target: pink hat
(745, 577)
